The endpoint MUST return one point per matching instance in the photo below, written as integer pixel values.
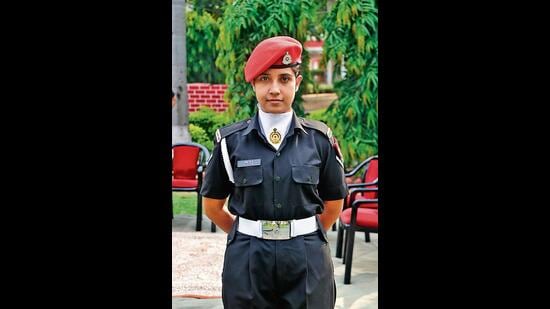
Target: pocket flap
(306, 174)
(248, 176)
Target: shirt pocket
(248, 176)
(306, 174)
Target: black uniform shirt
(270, 184)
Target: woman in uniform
(285, 181)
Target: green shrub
(318, 115)
(209, 121)
(203, 118)
(325, 88)
(198, 135)
(220, 120)
(311, 88)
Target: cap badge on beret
(287, 59)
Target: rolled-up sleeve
(216, 183)
(332, 184)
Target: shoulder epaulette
(319, 126)
(230, 129)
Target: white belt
(268, 229)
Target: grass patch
(184, 203)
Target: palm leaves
(352, 41)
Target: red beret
(277, 52)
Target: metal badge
(275, 137)
(287, 59)
(276, 230)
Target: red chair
(359, 213)
(369, 180)
(188, 163)
(362, 216)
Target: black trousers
(294, 273)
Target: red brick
(206, 86)
(210, 91)
(192, 87)
(200, 101)
(194, 96)
(205, 96)
(210, 101)
(199, 92)
(220, 92)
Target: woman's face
(275, 89)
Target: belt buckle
(276, 230)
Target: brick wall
(210, 95)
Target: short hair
(296, 70)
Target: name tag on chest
(251, 162)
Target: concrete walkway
(361, 293)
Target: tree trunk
(330, 63)
(180, 113)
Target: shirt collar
(254, 124)
(297, 123)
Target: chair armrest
(355, 206)
(359, 166)
(353, 192)
(362, 184)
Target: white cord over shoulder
(340, 161)
(226, 161)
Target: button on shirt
(276, 184)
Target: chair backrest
(371, 175)
(185, 160)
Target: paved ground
(361, 293)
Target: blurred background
(212, 40)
